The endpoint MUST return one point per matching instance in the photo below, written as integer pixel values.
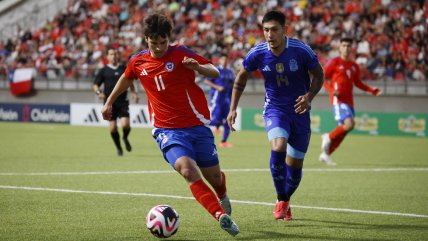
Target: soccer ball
(162, 221)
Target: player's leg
(344, 115)
(339, 134)
(114, 133)
(217, 179)
(215, 118)
(126, 126)
(226, 131)
(278, 132)
(178, 151)
(207, 160)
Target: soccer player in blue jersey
(221, 91)
(286, 64)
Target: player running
(343, 74)
(285, 64)
(221, 91)
(180, 114)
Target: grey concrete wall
(406, 104)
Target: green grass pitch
(61, 182)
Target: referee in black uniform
(109, 75)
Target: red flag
(22, 81)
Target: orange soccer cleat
(281, 211)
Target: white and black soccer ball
(163, 221)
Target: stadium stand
(391, 37)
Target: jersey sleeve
(310, 57)
(190, 53)
(99, 77)
(249, 61)
(359, 83)
(129, 73)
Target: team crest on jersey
(169, 66)
(279, 68)
(293, 65)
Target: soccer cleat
(225, 204)
(228, 225)
(326, 142)
(326, 159)
(225, 145)
(127, 145)
(280, 211)
(120, 152)
(288, 215)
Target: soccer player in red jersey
(343, 74)
(180, 114)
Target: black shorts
(120, 110)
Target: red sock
(336, 137)
(221, 191)
(206, 198)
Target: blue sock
(294, 175)
(225, 132)
(279, 172)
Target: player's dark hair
(275, 16)
(157, 25)
(346, 40)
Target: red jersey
(174, 99)
(343, 76)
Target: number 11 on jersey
(159, 83)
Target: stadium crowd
(391, 37)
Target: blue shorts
(342, 111)
(296, 128)
(195, 142)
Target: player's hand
(102, 96)
(231, 119)
(190, 63)
(220, 88)
(377, 92)
(107, 112)
(303, 104)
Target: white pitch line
(234, 201)
(422, 169)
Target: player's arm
(121, 86)
(97, 83)
(304, 101)
(238, 88)
(359, 83)
(208, 70)
(214, 86)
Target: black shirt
(109, 77)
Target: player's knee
(279, 144)
(349, 125)
(188, 170)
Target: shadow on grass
(326, 235)
(350, 225)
